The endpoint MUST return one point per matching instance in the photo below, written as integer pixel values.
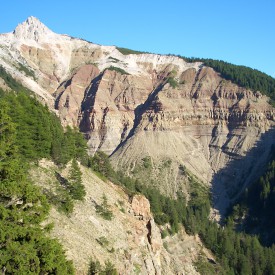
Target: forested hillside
(254, 212)
(11, 82)
(29, 132)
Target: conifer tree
(77, 189)
(23, 247)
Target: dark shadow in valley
(241, 171)
(58, 97)
(149, 104)
(87, 104)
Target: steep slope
(204, 124)
(254, 211)
(130, 240)
(147, 110)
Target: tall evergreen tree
(77, 189)
(23, 247)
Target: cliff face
(220, 132)
(146, 110)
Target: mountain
(177, 133)
(97, 220)
(147, 110)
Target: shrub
(103, 241)
(96, 268)
(172, 82)
(104, 209)
(147, 163)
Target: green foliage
(172, 82)
(75, 186)
(28, 132)
(63, 192)
(257, 206)
(126, 51)
(11, 82)
(171, 79)
(95, 268)
(65, 203)
(27, 71)
(242, 76)
(100, 163)
(236, 253)
(164, 233)
(205, 267)
(109, 269)
(119, 70)
(137, 268)
(24, 249)
(167, 163)
(104, 209)
(69, 145)
(39, 133)
(164, 208)
(147, 162)
(103, 241)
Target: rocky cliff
(130, 240)
(146, 110)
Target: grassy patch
(91, 63)
(147, 163)
(126, 51)
(119, 70)
(12, 83)
(103, 241)
(100, 176)
(27, 71)
(167, 163)
(172, 82)
(137, 268)
(164, 233)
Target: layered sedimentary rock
(147, 111)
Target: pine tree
(77, 189)
(23, 247)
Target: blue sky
(238, 31)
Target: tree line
(243, 76)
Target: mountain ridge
(176, 132)
(188, 112)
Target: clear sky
(238, 31)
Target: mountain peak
(32, 29)
(31, 20)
